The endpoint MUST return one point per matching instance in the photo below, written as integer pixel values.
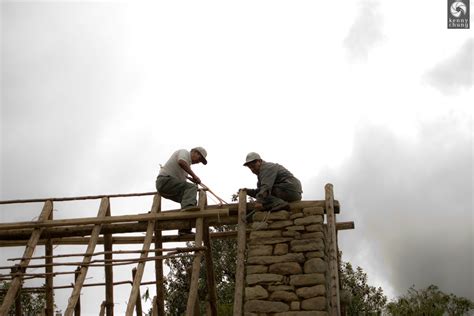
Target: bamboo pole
(210, 275)
(109, 271)
(165, 216)
(141, 266)
(241, 245)
(49, 282)
(193, 288)
(104, 205)
(159, 299)
(30, 248)
(334, 306)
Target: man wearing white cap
(171, 181)
(276, 186)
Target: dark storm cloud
(365, 32)
(454, 73)
(411, 201)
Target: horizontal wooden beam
(164, 216)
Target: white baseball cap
(203, 153)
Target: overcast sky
(371, 96)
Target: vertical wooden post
(334, 306)
(30, 248)
(160, 292)
(241, 245)
(109, 272)
(49, 280)
(138, 304)
(77, 307)
(76, 292)
(154, 308)
(210, 276)
(18, 311)
(193, 288)
(141, 265)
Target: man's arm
(183, 164)
(268, 174)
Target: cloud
(411, 201)
(365, 33)
(454, 73)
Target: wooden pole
(102, 309)
(159, 299)
(193, 288)
(30, 248)
(164, 216)
(77, 306)
(154, 310)
(76, 292)
(334, 306)
(109, 271)
(141, 266)
(138, 304)
(210, 275)
(18, 311)
(241, 245)
(49, 282)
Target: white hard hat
(251, 157)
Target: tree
(31, 303)
(365, 299)
(429, 301)
(177, 282)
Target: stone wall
(286, 264)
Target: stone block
(306, 245)
(296, 215)
(290, 257)
(290, 233)
(315, 265)
(308, 220)
(286, 268)
(315, 254)
(295, 306)
(255, 293)
(256, 269)
(263, 216)
(259, 225)
(313, 211)
(312, 291)
(314, 304)
(285, 296)
(296, 228)
(269, 241)
(280, 224)
(261, 306)
(280, 249)
(265, 234)
(260, 250)
(263, 278)
(307, 279)
(314, 235)
(273, 288)
(315, 228)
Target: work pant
(281, 193)
(177, 190)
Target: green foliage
(366, 299)
(429, 301)
(177, 282)
(31, 303)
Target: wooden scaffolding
(106, 229)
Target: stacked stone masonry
(286, 268)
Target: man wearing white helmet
(171, 181)
(276, 186)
